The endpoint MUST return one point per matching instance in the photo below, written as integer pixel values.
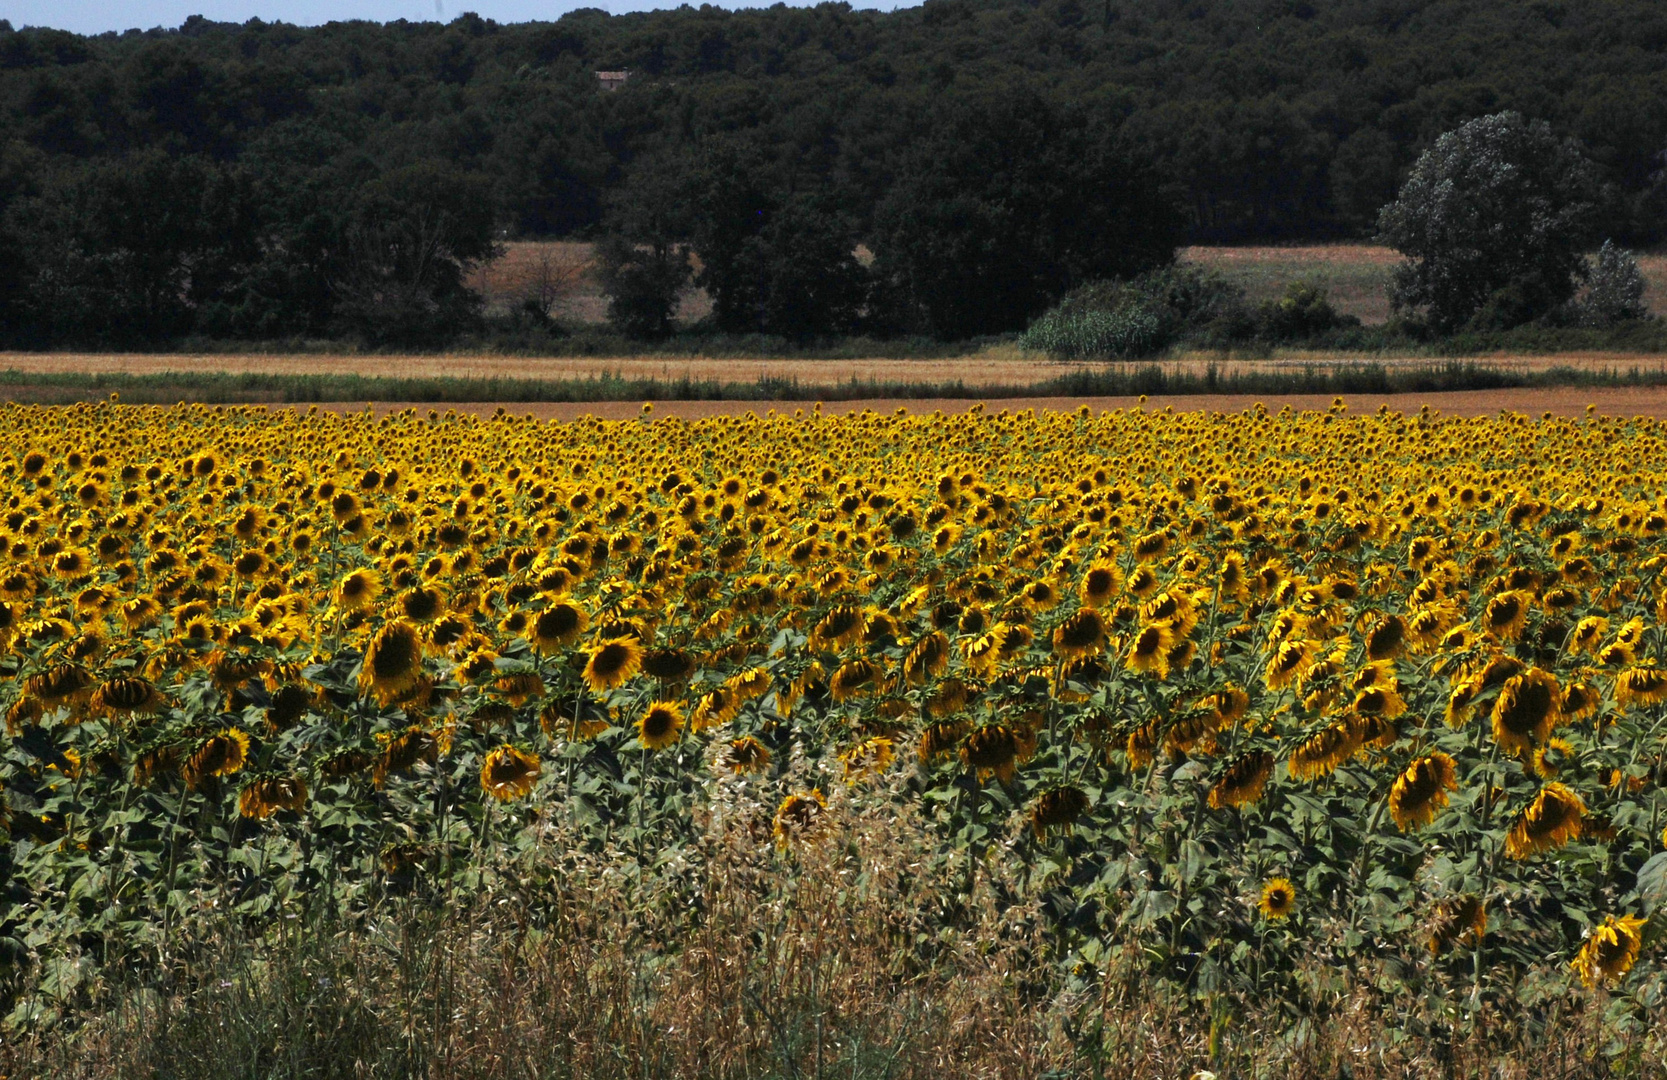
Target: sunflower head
(612, 663)
(508, 773)
(798, 816)
(1610, 950)
(1279, 898)
(393, 661)
(660, 725)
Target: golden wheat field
(1245, 706)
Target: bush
(1614, 288)
(1302, 312)
(1174, 305)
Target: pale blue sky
(94, 16)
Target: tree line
(951, 169)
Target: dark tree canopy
(1006, 204)
(1263, 119)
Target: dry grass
(861, 954)
(996, 365)
(1355, 275)
(1609, 401)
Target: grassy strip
(1118, 381)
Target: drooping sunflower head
(1387, 638)
(991, 750)
(1551, 820)
(221, 754)
(1641, 686)
(393, 661)
(1420, 792)
(1458, 919)
(1506, 615)
(266, 795)
(868, 758)
(1527, 709)
(509, 773)
(1080, 634)
(1243, 780)
(1611, 950)
(1279, 898)
(1057, 808)
(556, 626)
(798, 816)
(746, 755)
(842, 625)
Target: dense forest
(266, 180)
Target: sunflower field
(1252, 690)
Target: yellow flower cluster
(1459, 620)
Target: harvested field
(1355, 275)
(1639, 401)
(1005, 365)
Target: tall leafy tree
(1494, 220)
(1008, 201)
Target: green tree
(1493, 220)
(1006, 204)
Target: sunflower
(854, 678)
(1420, 793)
(798, 816)
(717, 706)
(508, 773)
(556, 626)
(1551, 820)
(869, 758)
(1099, 584)
(1149, 652)
(668, 665)
(1455, 920)
(1057, 808)
(421, 604)
(1610, 950)
(358, 589)
(1080, 634)
(1580, 700)
(393, 661)
(926, 658)
(746, 755)
(265, 796)
(1319, 755)
(1527, 709)
(612, 663)
(403, 752)
(991, 750)
(1228, 705)
(1290, 661)
(1243, 780)
(221, 754)
(660, 725)
(1549, 760)
(1279, 898)
(1387, 638)
(841, 626)
(1640, 686)
(126, 695)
